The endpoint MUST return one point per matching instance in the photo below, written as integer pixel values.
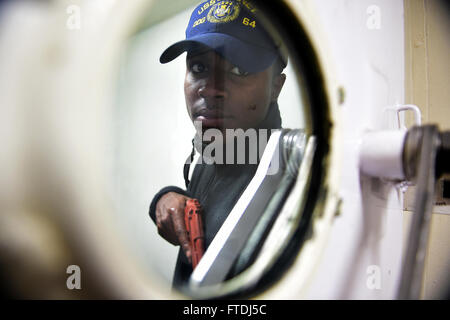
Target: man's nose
(213, 87)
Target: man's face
(222, 96)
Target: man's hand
(170, 220)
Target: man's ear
(277, 85)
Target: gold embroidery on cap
(223, 11)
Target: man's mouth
(210, 122)
(211, 119)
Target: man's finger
(180, 230)
(165, 226)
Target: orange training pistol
(194, 227)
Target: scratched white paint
(369, 63)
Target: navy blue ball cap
(233, 30)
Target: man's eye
(198, 67)
(238, 72)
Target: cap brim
(248, 57)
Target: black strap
(187, 165)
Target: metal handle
(426, 156)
